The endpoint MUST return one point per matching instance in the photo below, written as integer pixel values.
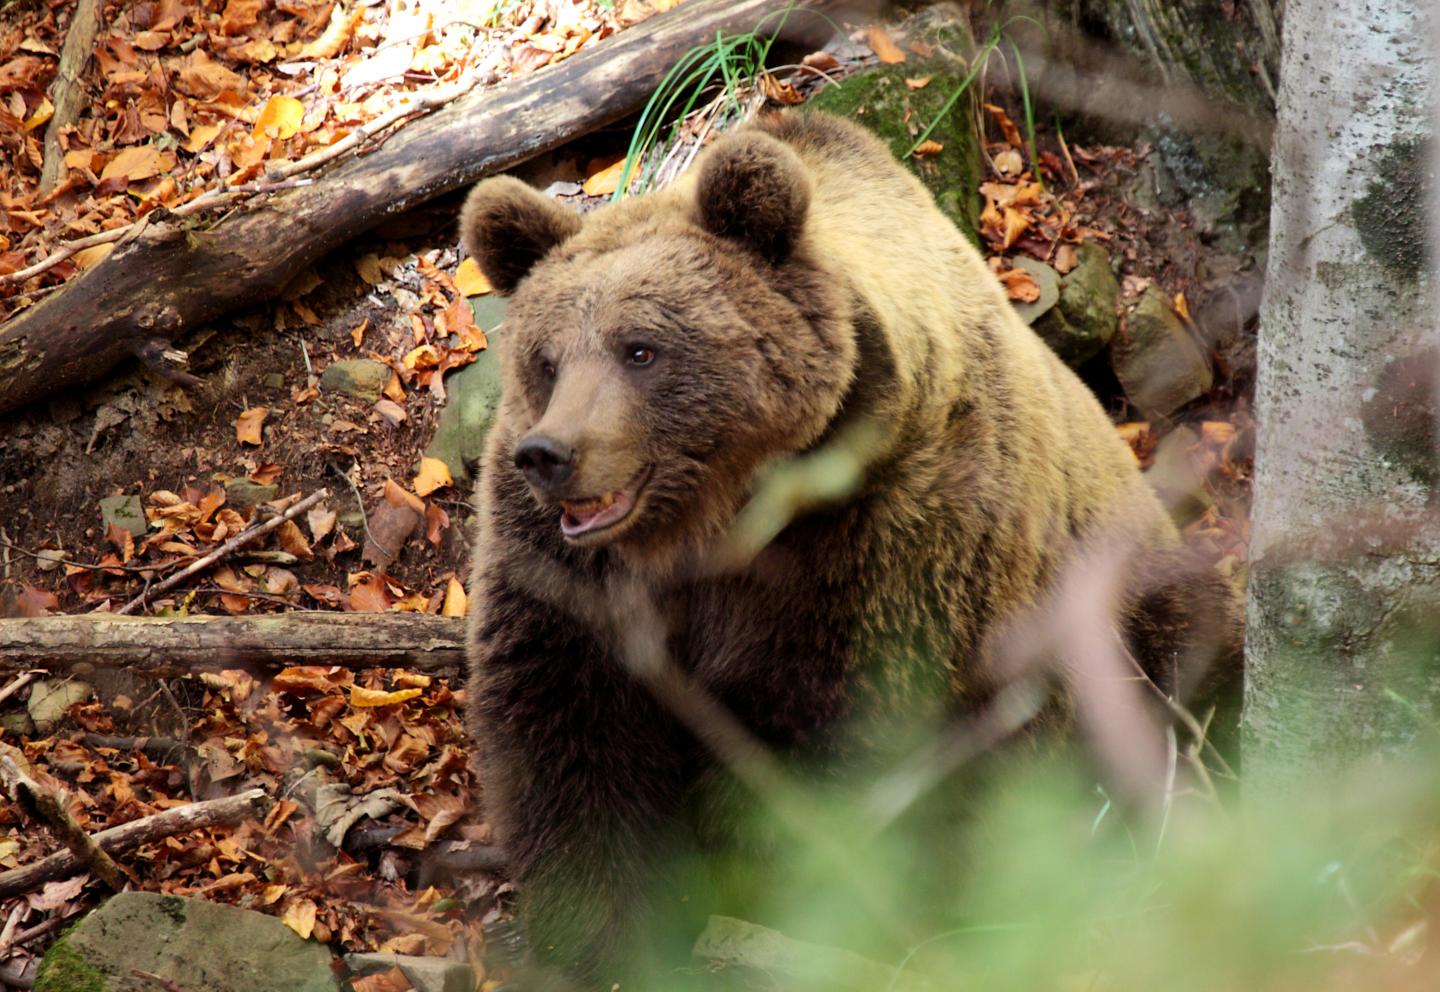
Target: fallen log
(172, 276)
(165, 647)
(146, 830)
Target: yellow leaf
(433, 474)
(42, 114)
(201, 136)
(249, 425)
(283, 114)
(918, 83)
(300, 917)
(604, 179)
(360, 696)
(1181, 307)
(470, 280)
(884, 47)
(455, 602)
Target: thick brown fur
(796, 284)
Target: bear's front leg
(583, 774)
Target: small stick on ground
(16, 684)
(128, 836)
(68, 93)
(229, 547)
(46, 805)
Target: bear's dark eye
(639, 355)
(547, 369)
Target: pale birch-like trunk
(1344, 594)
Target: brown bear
(796, 304)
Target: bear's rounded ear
(754, 189)
(507, 227)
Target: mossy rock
(1084, 318)
(880, 100)
(199, 946)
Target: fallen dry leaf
(362, 697)
(884, 46)
(470, 280)
(434, 474)
(138, 162)
(281, 118)
(603, 176)
(1020, 285)
(455, 599)
(249, 426)
(929, 147)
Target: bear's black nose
(546, 462)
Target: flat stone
(195, 945)
(1084, 318)
(124, 512)
(1156, 359)
(424, 974)
(242, 492)
(51, 699)
(472, 399)
(362, 378)
(1047, 279)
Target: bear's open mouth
(586, 516)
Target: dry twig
(229, 547)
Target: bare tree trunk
(1345, 575)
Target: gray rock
(1156, 359)
(17, 724)
(124, 512)
(1084, 318)
(242, 492)
(197, 946)
(362, 378)
(472, 397)
(425, 974)
(1049, 282)
(1175, 479)
(50, 699)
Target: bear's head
(660, 351)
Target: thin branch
(229, 547)
(44, 804)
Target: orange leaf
(362, 697)
(357, 334)
(368, 594)
(886, 49)
(138, 162)
(433, 475)
(1020, 285)
(604, 177)
(929, 148)
(918, 83)
(292, 539)
(249, 425)
(470, 280)
(281, 118)
(1181, 307)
